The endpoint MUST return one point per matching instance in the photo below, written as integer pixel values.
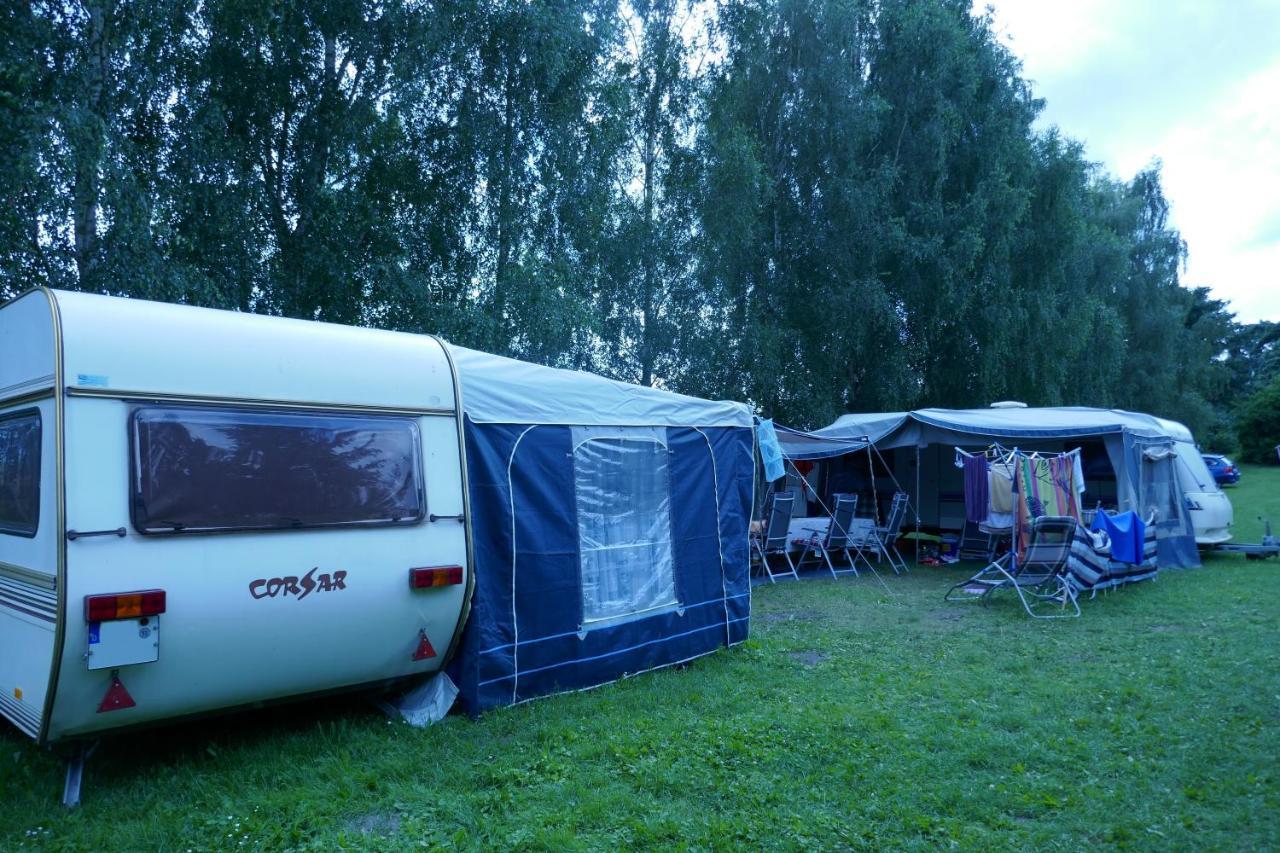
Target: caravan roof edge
(133, 347)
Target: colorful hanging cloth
(1043, 485)
(977, 501)
(1126, 532)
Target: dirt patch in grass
(950, 615)
(809, 657)
(1168, 629)
(381, 824)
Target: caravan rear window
(20, 473)
(206, 469)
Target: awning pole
(917, 503)
(875, 498)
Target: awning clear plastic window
(623, 495)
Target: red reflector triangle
(117, 697)
(425, 649)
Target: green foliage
(27, 192)
(813, 206)
(795, 212)
(1258, 423)
(1253, 357)
(649, 301)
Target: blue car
(1225, 472)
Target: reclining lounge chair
(1039, 577)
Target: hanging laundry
(770, 451)
(1001, 482)
(1048, 486)
(998, 521)
(1045, 485)
(1126, 531)
(977, 502)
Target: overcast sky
(1195, 83)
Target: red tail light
(124, 605)
(435, 576)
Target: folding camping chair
(837, 538)
(773, 538)
(976, 543)
(884, 540)
(1039, 578)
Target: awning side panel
(526, 636)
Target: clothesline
(996, 450)
(1000, 453)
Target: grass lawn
(1256, 495)
(853, 717)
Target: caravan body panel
(1209, 507)
(28, 559)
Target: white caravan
(204, 509)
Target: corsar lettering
(299, 588)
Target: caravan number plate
(122, 642)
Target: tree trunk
(501, 271)
(647, 354)
(87, 154)
(658, 84)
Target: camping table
(816, 527)
(806, 528)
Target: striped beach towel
(1043, 485)
(1090, 568)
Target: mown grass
(1255, 498)
(854, 717)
